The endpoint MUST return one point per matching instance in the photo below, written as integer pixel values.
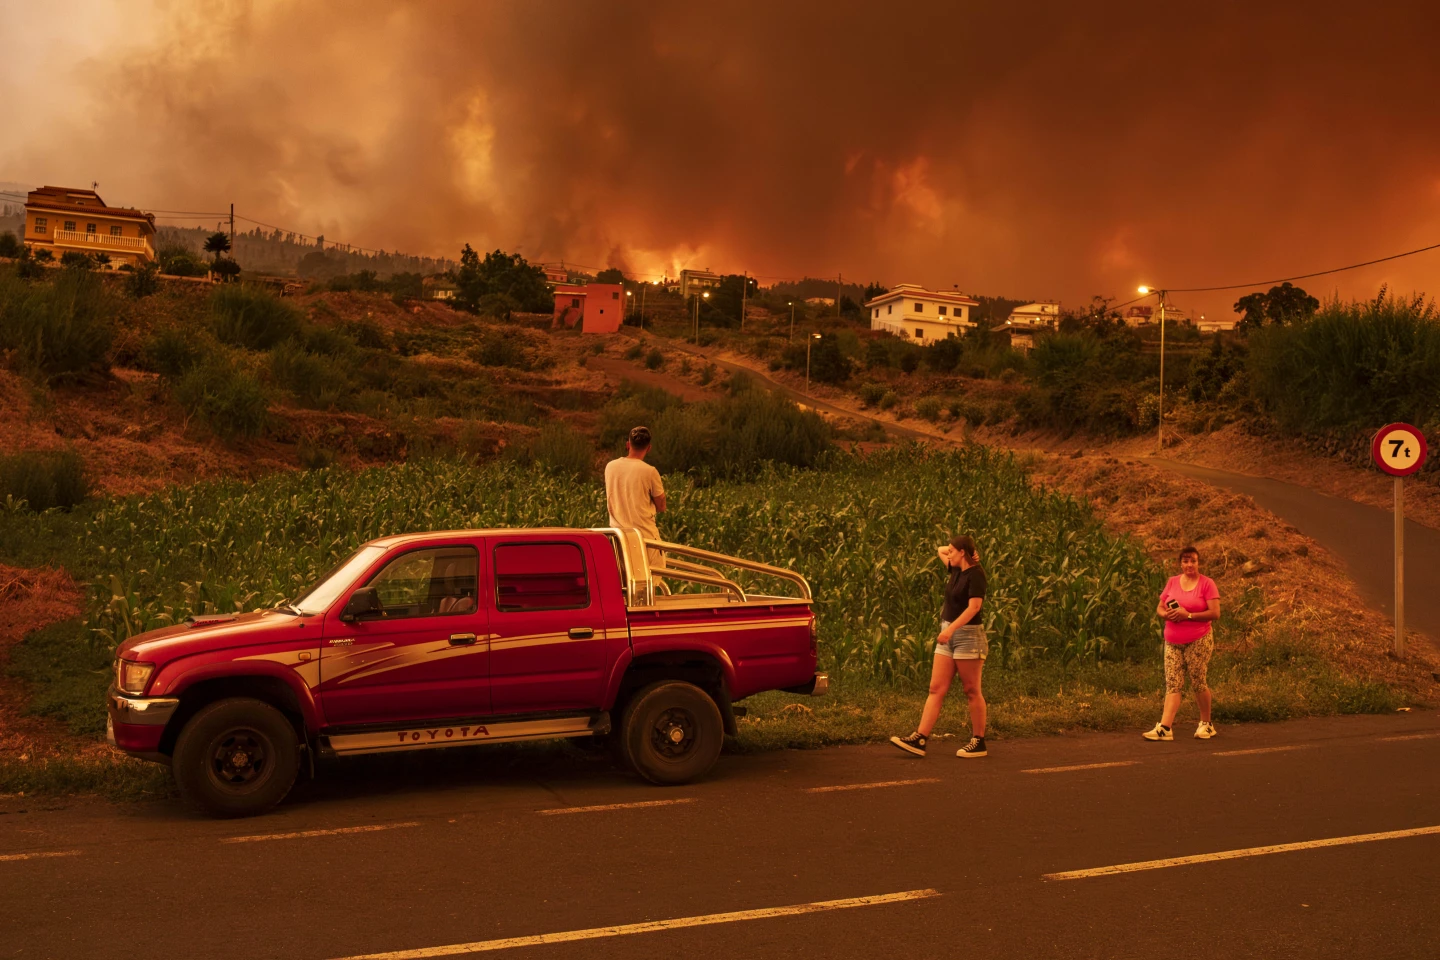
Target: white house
(912, 312)
(1043, 314)
(1215, 326)
(695, 282)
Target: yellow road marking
(614, 806)
(370, 828)
(872, 786)
(1413, 736)
(652, 926)
(1082, 766)
(37, 856)
(1255, 750)
(1237, 854)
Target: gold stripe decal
(417, 738)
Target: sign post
(1399, 449)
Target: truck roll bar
(644, 582)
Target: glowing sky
(1047, 150)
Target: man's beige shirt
(630, 485)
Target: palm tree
(217, 243)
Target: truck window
(439, 581)
(540, 576)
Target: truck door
(548, 649)
(423, 655)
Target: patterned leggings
(1188, 660)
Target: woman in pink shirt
(1189, 604)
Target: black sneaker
(975, 748)
(915, 743)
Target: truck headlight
(132, 677)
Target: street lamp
(642, 301)
(791, 335)
(1160, 404)
(706, 296)
(808, 341)
(629, 302)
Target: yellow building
(61, 219)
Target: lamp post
(808, 341)
(791, 335)
(629, 302)
(705, 296)
(1160, 404)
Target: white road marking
(371, 828)
(614, 806)
(1255, 750)
(872, 786)
(1412, 736)
(652, 926)
(4, 858)
(1237, 854)
(1082, 766)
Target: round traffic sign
(1398, 449)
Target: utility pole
(839, 286)
(232, 226)
(744, 291)
(1160, 406)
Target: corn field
(862, 530)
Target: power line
(1304, 276)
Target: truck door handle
(461, 639)
(581, 633)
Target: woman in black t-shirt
(961, 648)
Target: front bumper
(136, 724)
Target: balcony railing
(102, 241)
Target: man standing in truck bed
(633, 491)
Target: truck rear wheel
(236, 758)
(671, 732)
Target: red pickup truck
(463, 637)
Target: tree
(142, 283)
(610, 275)
(102, 259)
(226, 269)
(217, 243)
(1281, 305)
(501, 273)
(873, 290)
(10, 245)
(75, 258)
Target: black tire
(671, 732)
(236, 758)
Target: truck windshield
(319, 597)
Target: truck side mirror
(362, 605)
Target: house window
(919, 308)
(941, 309)
(876, 314)
(890, 309)
(42, 224)
(89, 228)
(114, 231)
(919, 333)
(575, 302)
(614, 295)
(70, 225)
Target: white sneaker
(1159, 733)
(1205, 731)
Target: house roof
(917, 292)
(70, 200)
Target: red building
(597, 307)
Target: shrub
(736, 436)
(57, 328)
(225, 397)
(928, 408)
(654, 360)
(634, 352)
(1356, 365)
(500, 349)
(181, 261)
(870, 393)
(318, 382)
(10, 245)
(366, 333)
(173, 349)
(143, 282)
(249, 316)
(888, 399)
(76, 259)
(559, 449)
(707, 373)
(44, 479)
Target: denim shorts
(968, 642)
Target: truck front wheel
(671, 732)
(236, 758)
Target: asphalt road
(1362, 537)
(483, 844)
